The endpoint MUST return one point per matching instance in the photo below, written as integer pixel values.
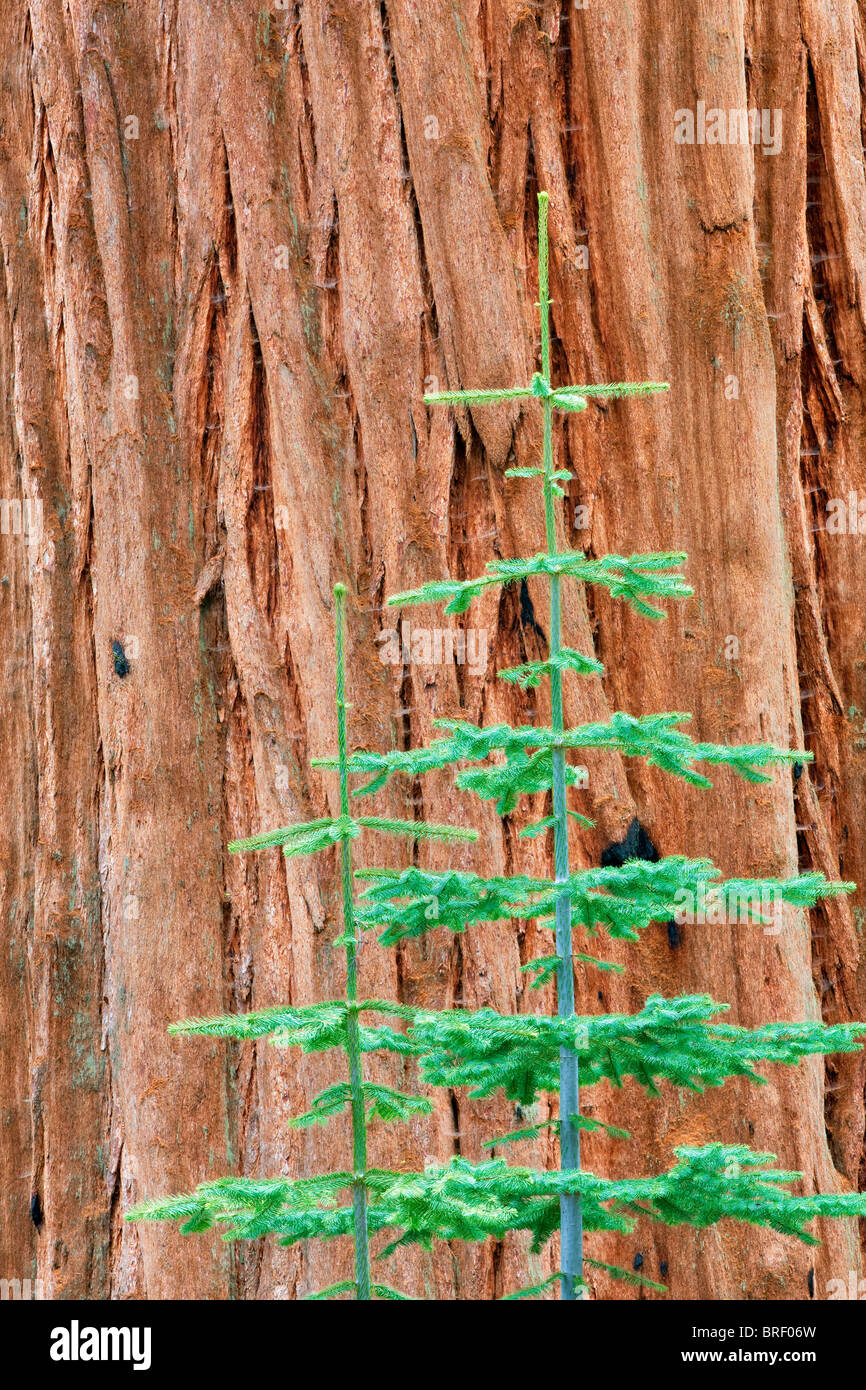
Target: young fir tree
(678, 1040)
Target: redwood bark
(237, 244)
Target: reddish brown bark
(215, 336)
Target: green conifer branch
(536, 1290)
(535, 828)
(417, 829)
(333, 1291)
(384, 1104)
(633, 578)
(313, 836)
(312, 1027)
(672, 1040)
(562, 397)
(532, 673)
(626, 1276)
(623, 900)
(351, 1286)
(585, 1122)
(474, 1201)
(654, 737)
(543, 969)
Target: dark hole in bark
(121, 664)
(36, 1211)
(638, 845)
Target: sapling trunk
(352, 940)
(571, 1216)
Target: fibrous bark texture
(238, 245)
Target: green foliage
(621, 900)
(536, 828)
(385, 1104)
(532, 673)
(543, 968)
(351, 1286)
(472, 1201)
(313, 1027)
(626, 1276)
(563, 398)
(681, 1041)
(582, 1122)
(536, 1290)
(325, 834)
(634, 579)
(654, 737)
(334, 1291)
(669, 1039)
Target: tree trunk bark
(238, 245)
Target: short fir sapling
(679, 1040)
(259, 1207)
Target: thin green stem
(352, 938)
(571, 1215)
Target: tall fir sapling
(679, 1040)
